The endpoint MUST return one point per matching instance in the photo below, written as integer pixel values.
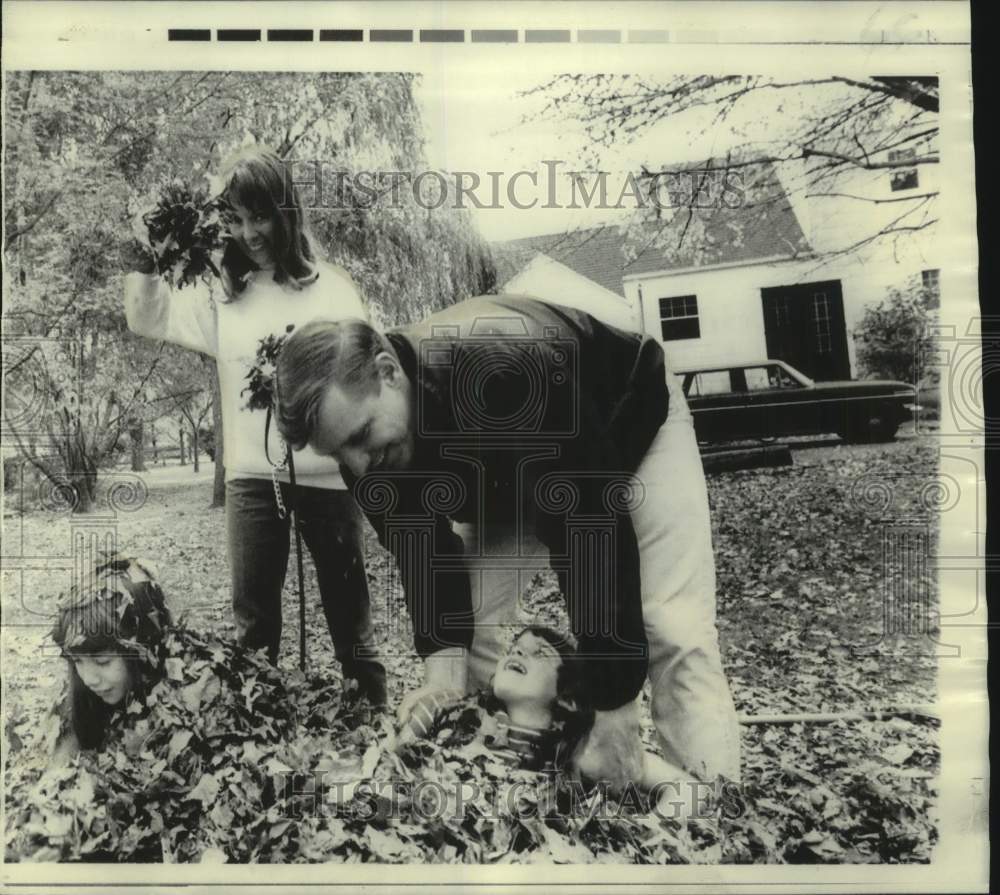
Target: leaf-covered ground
(807, 578)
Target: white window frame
(674, 317)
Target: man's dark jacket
(526, 413)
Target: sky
(474, 124)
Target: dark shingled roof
(764, 226)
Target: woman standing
(271, 279)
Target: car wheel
(874, 424)
(883, 431)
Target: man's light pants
(692, 707)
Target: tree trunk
(152, 439)
(137, 437)
(180, 432)
(219, 485)
(194, 447)
(81, 473)
(12, 475)
(85, 486)
(78, 465)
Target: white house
(777, 276)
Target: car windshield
(797, 376)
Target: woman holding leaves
(269, 280)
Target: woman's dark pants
(259, 541)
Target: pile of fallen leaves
(230, 760)
(846, 792)
(801, 582)
(182, 771)
(805, 568)
(804, 573)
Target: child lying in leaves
(168, 741)
(534, 715)
(175, 746)
(125, 656)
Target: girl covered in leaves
(167, 743)
(197, 750)
(125, 657)
(270, 279)
(112, 640)
(535, 712)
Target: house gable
(548, 279)
(764, 226)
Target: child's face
(253, 232)
(528, 673)
(106, 674)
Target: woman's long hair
(124, 613)
(572, 715)
(261, 182)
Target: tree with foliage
(357, 148)
(895, 338)
(86, 151)
(193, 383)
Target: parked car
(770, 398)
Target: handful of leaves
(185, 229)
(260, 379)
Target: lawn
(803, 584)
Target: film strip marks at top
(889, 37)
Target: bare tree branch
(914, 90)
(870, 165)
(870, 199)
(27, 228)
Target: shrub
(896, 336)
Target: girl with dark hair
(271, 280)
(536, 709)
(112, 639)
(126, 656)
(535, 712)
(165, 729)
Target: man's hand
(136, 258)
(612, 751)
(419, 709)
(445, 675)
(447, 669)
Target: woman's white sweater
(198, 317)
